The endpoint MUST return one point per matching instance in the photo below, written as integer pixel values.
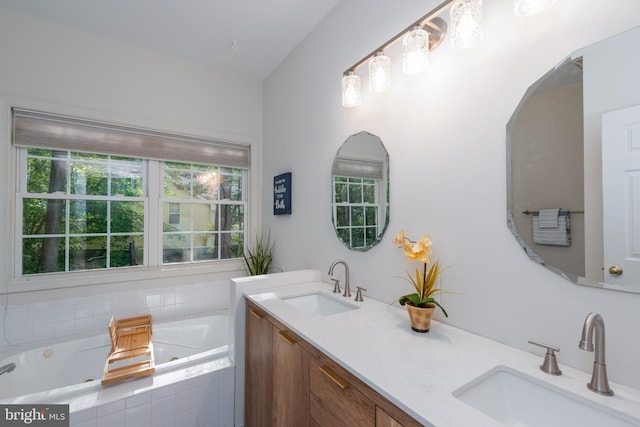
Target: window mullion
(21, 180)
(218, 231)
(67, 215)
(153, 213)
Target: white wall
(47, 62)
(55, 68)
(445, 134)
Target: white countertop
(419, 372)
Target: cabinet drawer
(335, 401)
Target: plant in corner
(259, 258)
(424, 281)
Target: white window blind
(357, 168)
(44, 130)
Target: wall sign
(282, 194)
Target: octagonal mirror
(360, 191)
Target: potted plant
(259, 259)
(421, 303)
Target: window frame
(141, 277)
(219, 202)
(152, 172)
(22, 193)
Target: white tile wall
(66, 317)
(205, 400)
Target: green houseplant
(259, 258)
(424, 281)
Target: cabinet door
(385, 420)
(258, 370)
(334, 401)
(290, 381)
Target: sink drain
(174, 358)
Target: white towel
(558, 236)
(548, 218)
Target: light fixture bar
(437, 11)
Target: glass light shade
(351, 90)
(415, 51)
(379, 73)
(531, 7)
(466, 23)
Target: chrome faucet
(7, 368)
(347, 290)
(599, 382)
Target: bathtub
(70, 372)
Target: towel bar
(528, 212)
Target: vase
(420, 317)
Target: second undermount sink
(319, 304)
(515, 399)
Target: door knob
(615, 270)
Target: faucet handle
(336, 286)
(359, 293)
(550, 364)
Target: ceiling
(250, 37)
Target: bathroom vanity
(294, 383)
(315, 358)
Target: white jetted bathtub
(70, 372)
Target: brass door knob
(615, 270)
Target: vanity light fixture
(379, 73)
(466, 23)
(419, 38)
(415, 51)
(531, 7)
(351, 89)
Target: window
(357, 206)
(208, 204)
(79, 209)
(174, 214)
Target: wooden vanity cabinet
(339, 398)
(289, 382)
(276, 374)
(385, 420)
(258, 369)
(335, 400)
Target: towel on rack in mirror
(544, 231)
(548, 218)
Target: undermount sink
(515, 399)
(319, 304)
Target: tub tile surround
(375, 342)
(200, 396)
(69, 317)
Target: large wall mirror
(573, 166)
(360, 191)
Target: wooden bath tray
(131, 352)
